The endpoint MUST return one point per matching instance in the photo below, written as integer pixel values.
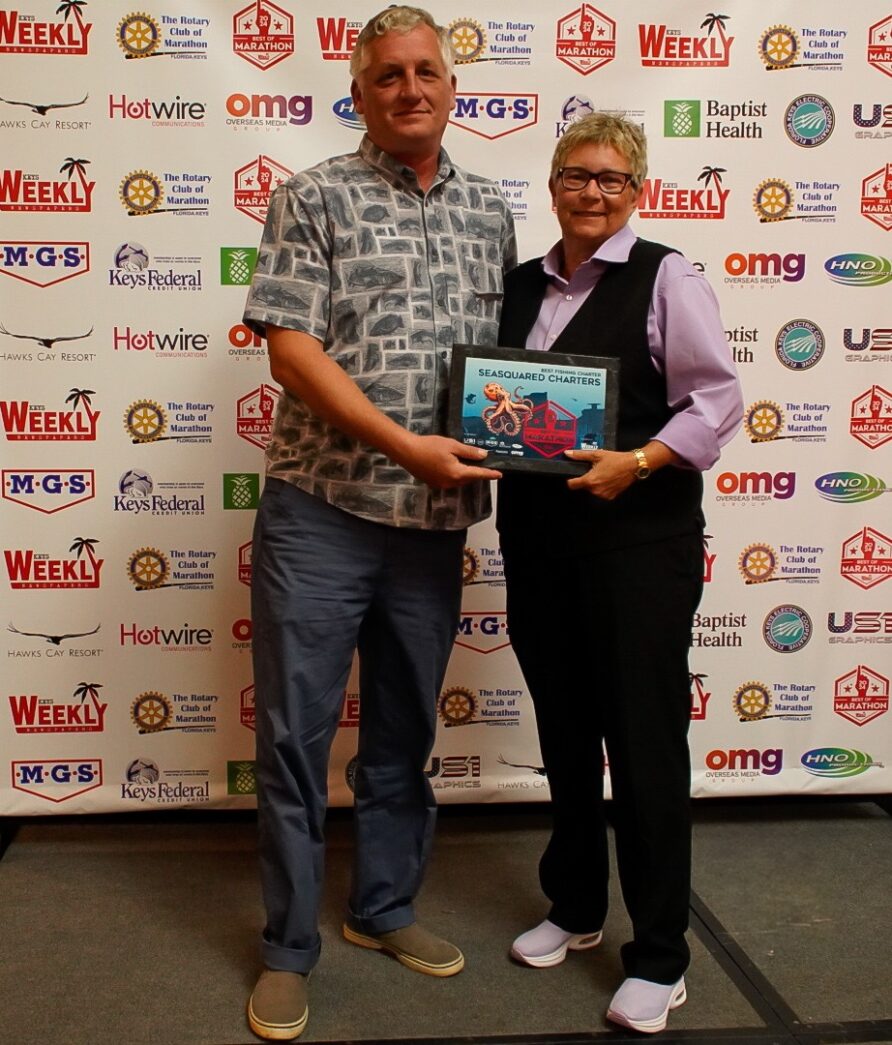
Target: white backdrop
(138, 154)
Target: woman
(604, 571)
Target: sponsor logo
(495, 115)
(763, 270)
(780, 48)
(170, 113)
(25, 34)
(799, 563)
(860, 626)
(269, 112)
(263, 34)
(739, 762)
(755, 701)
(253, 184)
(483, 631)
(459, 706)
(136, 495)
(176, 36)
(515, 190)
(809, 120)
(876, 197)
(786, 629)
(483, 566)
(799, 344)
(879, 45)
(870, 421)
(181, 344)
(245, 562)
(508, 43)
(141, 193)
(245, 344)
(349, 711)
(84, 713)
(133, 269)
(242, 630)
(861, 695)
(254, 414)
(663, 199)
(337, 38)
(866, 558)
(684, 118)
(25, 421)
(247, 710)
(153, 712)
(237, 265)
(451, 772)
(755, 486)
(774, 200)
(241, 777)
(241, 490)
(54, 641)
(146, 421)
(346, 115)
(859, 270)
(662, 47)
(586, 39)
(870, 341)
(41, 109)
(27, 569)
(699, 696)
(739, 339)
(145, 781)
(47, 490)
(149, 569)
(57, 779)
(183, 638)
(878, 124)
(21, 191)
(837, 762)
(849, 487)
(764, 422)
(718, 629)
(44, 264)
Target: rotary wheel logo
(151, 712)
(468, 40)
(470, 566)
(763, 421)
(457, 706)
(773, 200)
(757, 563)
(751, 701)
(138, 35)
(141, 193)
(779, 47)
(145, 420)
(147, 568)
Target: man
(622, 544)
(371, 266)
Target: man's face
(589, 217)
(404, 92)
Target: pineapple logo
(241, 778)
(241, 490)
(237, 265)
(681, 118)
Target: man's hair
(601, 128)
(400, 19)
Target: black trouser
(602, 640)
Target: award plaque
(526, 408)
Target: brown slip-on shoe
(414, 947)
(277, 1010)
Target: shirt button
(569, 297)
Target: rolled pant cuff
(382, 923)
(289, 959)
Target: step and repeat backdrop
(139, 148)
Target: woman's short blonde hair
(400, 20)
(602, 128)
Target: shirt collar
(395, 171)
(615, 250)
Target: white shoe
(644, 1006)
(547, 945)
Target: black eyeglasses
(610, 182)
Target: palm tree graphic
(712, 175)
(76, 396)
(714, 21)
(71, 165)
(69, 7)
(85, 544)
(91, 690)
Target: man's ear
(356, 95)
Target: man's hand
(610, 474)
(440, 462)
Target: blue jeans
(325, 583)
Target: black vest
(535, 512)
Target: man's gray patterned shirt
(388, 278)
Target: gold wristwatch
(643, 470)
